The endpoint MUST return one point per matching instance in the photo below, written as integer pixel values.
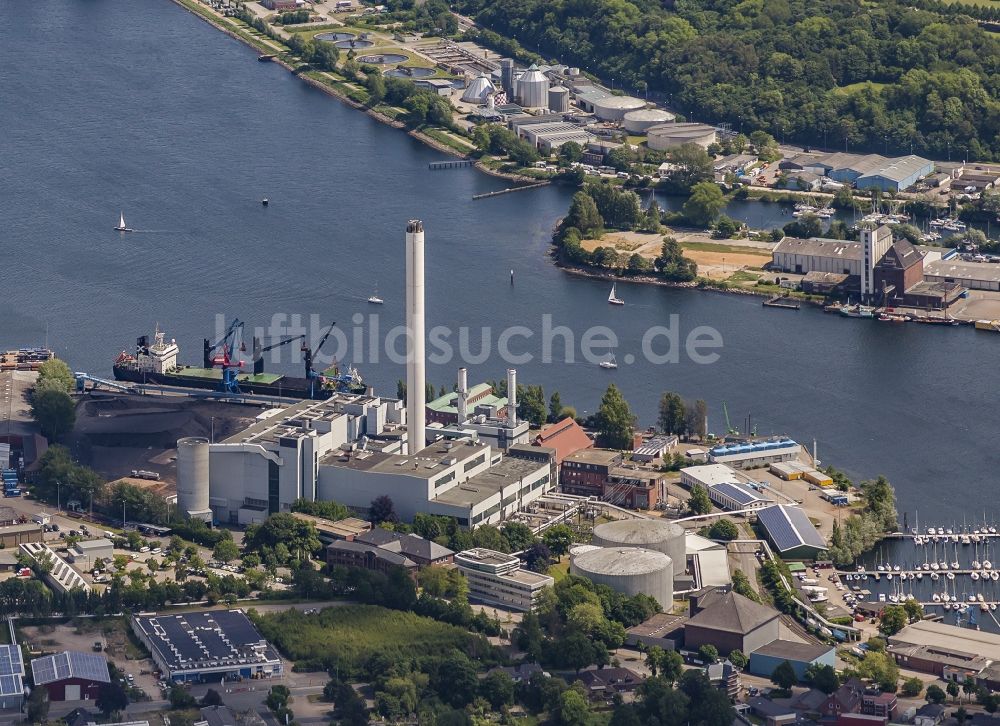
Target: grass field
(346, 638)
(725, 249)
(854, 87)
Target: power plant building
(651, 534)
(670, 136)
(629, 570)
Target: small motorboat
(264, 202)
(375, 299)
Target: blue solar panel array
(70, 664)
(789, 527)
(11, 671)
(194, 640)
(737, 493)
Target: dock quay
(781, 301)
(267, 57)
(451, 164)
(851, 575)
(509, 190)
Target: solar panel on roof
(789, 527)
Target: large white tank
(532, 89)
(478, 90)
(614, 108)
(558, 99)
(638, 121)
(193, 478)
(629, 570)
(669, 136)
(651, 534)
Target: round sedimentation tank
(579, 549)
(558, 99)
(614, 108)
(669, 136)
(193, 477)
(629, 570)
(638, 121)
(651, 534)
(532, 89)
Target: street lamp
(58, 498)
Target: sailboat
(609, 362)
(613, 299)
(375, 299)
(121, 225)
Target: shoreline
(209, 18)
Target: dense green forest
(880, 74)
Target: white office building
(497, 579)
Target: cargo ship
(25, 359)
(156, 363)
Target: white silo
(478, 90)
(193, 478)
(532, 88)
(558, 99)
(614, 108)
(628, 570)
(652, 534)
(637, 122)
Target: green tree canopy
(705, 203)
(615, 420)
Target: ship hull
(285, 386)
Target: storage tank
(614, 108)
(629, 570)
(638, 121)
(669, 136)
(192, 478)
(532, 88)
(558, 99)
(651, 534)
(579, 549)
(478, 90)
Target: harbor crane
(228, 346)
(730, 431)
(308, 354)
(258, 351)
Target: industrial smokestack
(463, 395)
(415, 379)
(511, 397)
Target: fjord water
(140, 106)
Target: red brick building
(599, 473)
(566, 437)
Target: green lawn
(724, 248)
(346, 637)
(854, 87)
(559, 570)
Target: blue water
(142, 107)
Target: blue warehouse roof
(789, 527)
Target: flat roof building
(497, 579)
(747, 455)
(801, 656)
(971, 275)
(734, 496)
(87, 552)
(207, 645)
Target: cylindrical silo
(614, 108)
(507, 77)
(558, 99)
(651, 534)
(192, 478)
(579, 549)
(628, 570)
(532, 88)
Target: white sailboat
(613, 298)
(609, 362)
(121, 224)
(375, 299)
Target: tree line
(827, 74)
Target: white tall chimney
(463, 395)
(416, 412)
(511, 397)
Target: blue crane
(228, 345)
(309, 354)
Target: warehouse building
(497, 579)
(548, 137)
(748, 455)
(736, 496)
(11, 677)
(87, 553)
(71, 675)
(866, 171)
(199, 646)
(765, 659)
(971, 275)
(730, 622)
(816, 254)
(670, 136)
(708, 562)
(947, 651)
(790, 532)
(896, 175)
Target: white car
(156, 550)
(144, 548)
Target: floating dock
(782, 301)
(509, 190)
(452, 164)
